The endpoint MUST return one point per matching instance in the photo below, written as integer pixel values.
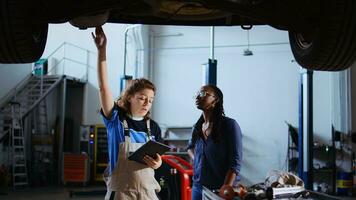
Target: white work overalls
(130, 179)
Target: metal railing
(69, 55)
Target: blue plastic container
(344, 183)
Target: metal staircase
(28, 98)
(27, 102)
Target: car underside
(279, 14)
(320, 31)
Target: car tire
(23, 37)
(331, 45)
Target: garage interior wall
(260, 91)
(11, 75)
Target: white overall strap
(126, 128)
(127, 137)
(148, 124)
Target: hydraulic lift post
(210, 69)
(305, 135)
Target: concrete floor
(55, 193)
(63, 193)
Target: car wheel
(331, 45)
(23, 38)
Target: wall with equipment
(11, 74)
(261, 90)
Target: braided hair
(217, 117)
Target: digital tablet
(149, 148)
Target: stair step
(20, 174)
(34, 95)
(27, 98)
(37, 91)
(47, 77)
(20, 183)
(20, 165)
(37, 88)
(8, 111)
(37, 80)
(19, 156)
(5, 125)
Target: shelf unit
(324, 170)
(324, 162)
(292, 149)
(178, 138)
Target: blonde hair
(134, 86)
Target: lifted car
(322, 33)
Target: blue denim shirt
(212, 160)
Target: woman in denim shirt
(216, 144)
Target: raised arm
(106, 99)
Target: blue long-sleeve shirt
(212, 160)
(116, 134)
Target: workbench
(213, 195)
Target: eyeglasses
(203, 93)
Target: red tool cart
(185, 171)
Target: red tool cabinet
(75, 168)
(185, 170)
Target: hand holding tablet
(150, 148)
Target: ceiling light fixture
(248, 52)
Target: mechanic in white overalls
(129, 127)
